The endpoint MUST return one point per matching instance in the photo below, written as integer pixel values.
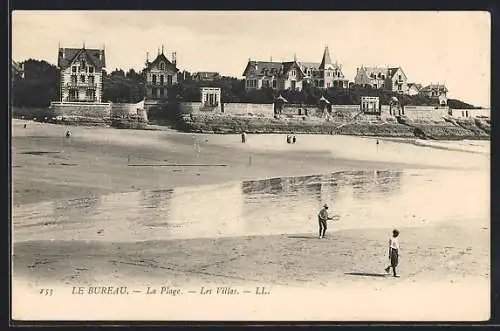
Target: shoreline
(96, 160)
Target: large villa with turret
(292, 74)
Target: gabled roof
(392, 71)
(287, 66)
(161, 57)
(68, 55)
(326, 59)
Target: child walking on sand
(393, 253)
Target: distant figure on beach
(288, 139)
(68, 133)
(377, 142)
(323, 217)
(393, 253)
(294, 139)
(243, 137)
(25, 126)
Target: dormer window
(73, 69)
(162, 66)
(91, 70)
(82, 78)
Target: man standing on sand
(393, 253)
(322, 218)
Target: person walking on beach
(294, 139)
(323, 217)
(393, 253)
(243, 137)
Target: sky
(431, 47)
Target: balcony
(158, 84)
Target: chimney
(174, 58)
(162, 48)
(147, 57)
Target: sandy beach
(436, 193)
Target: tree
(40, 86)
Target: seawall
(361, 126)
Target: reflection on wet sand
(260, 207)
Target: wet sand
(440, 262)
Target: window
(73, 69)
(399, 77)
(73, 95)
(274, 84)
(162, 66)
(73, 79)
(91, 70)
(154, 79)
(162, 92)
(91, 80)
(162, 79)
(82, 78)
(169, 80)
(90, 95)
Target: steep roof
(161, 57)
(375, 71)
(392, 71)
(310, 65)
(264, 68)
(326, 59)
(68, 55)
(289, 65)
